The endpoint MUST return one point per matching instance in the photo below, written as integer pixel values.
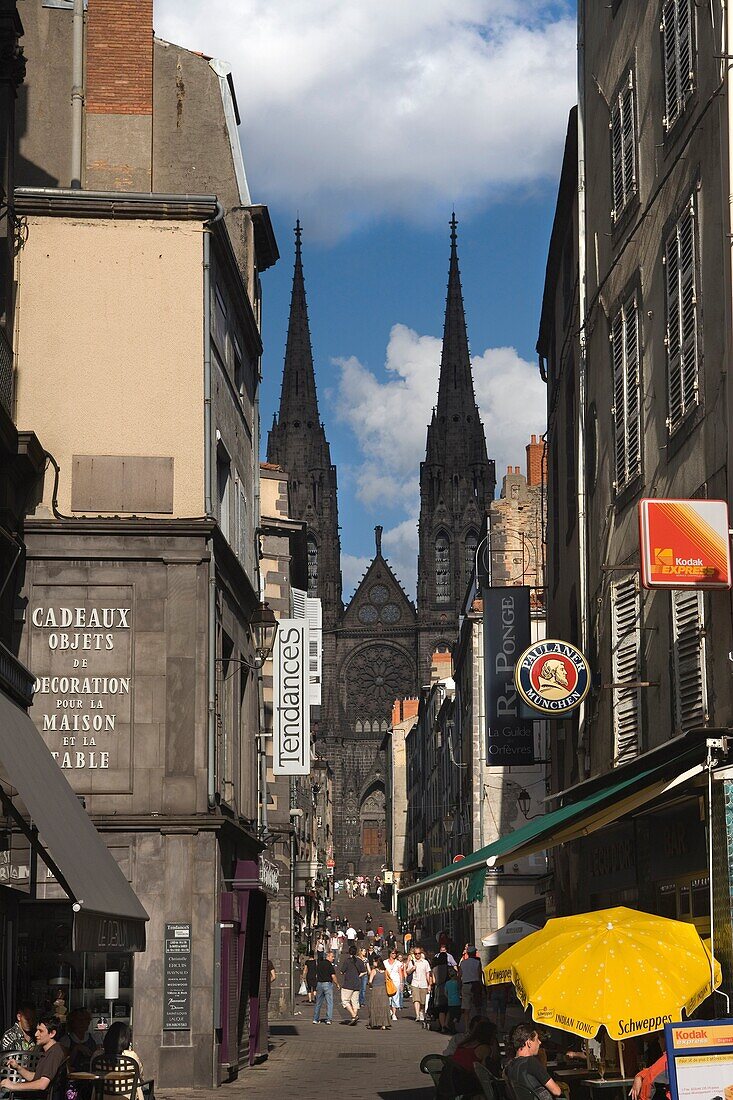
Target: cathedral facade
(378, 647)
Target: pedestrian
(379, 1015)
(439, 973)
(453, 997)
(380, 931)
(308, 974)
(407, 941)
(362, 954)
(334, 945)
(418, 971)
(325, 981)
(350, 934)
(352, 970)
(472, 984)
(320, 946)
(396, 972)
(391, 941)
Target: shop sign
(81, 643)
(700, 1055)
(269, 875)
(509, 732)
(290, 702)
(95, 932)
(684, 544)
(552, 677)
(177, 978)
(453, 893)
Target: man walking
(325, 981)
(351, 971)
(472, 985)
(418, 971)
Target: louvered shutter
(300, 602)
(677, 48)
(625, 664)
(626, 393)
(314, 614)
(682, 325)
(623, 148)
(688, 658)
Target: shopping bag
(303, 989)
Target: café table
(602, 1087)
(96, 1080)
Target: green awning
(605, 804)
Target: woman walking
(309, 976)
(379, 1016)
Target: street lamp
(448, 819)
(263, 628)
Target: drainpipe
(77, 90)
(583, 749)
(209, 507)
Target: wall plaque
(177, 978)
(81, 647)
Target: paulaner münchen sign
(291, 741)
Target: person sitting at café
(22, 1035)
(526, 1069)
(78, 1041)
(48, 1031)
(118, 1043)
(479, 1044)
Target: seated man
(51, 1059)
(526, 1070)
(78, 1043)
(22, 1035)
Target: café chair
(121, 1074)
(29, 1059)
(493, 1088)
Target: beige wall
(110, 346)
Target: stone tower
(457, 482)
(297, 442)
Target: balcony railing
(6, 374)
(15, 679)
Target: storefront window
(667, 901)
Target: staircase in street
(355, 910)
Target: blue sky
(372, 120)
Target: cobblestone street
(319, 1061)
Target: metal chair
(441, 1071)
(121, 1073)
(491, 1087)
(29, 1059)
(433, 1064)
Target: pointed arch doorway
(373, 830)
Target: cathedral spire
(455, 388)
(298, 400)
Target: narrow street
(309, 1061)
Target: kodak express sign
(684, 544)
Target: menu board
(177, 978)
(700, 1054)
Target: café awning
(110, 917)
(609, 798)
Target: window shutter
(623, 148)
(688, 658)
(682, 321)
(243, 534)
(626, 667)
(314, 614)
(677, 48)
(299, 598)
(626, 392)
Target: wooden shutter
(623, 147)
(626, 393)
(626, 667)
(682, 322)
(677, 47)
(300, 603)
(688, 658)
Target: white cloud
(354, 110)
(389, 419)
(353, 569)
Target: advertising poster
(509, 733)
(684, 544)
(701, 1059)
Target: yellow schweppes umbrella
(627, 971)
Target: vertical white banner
(291, 734)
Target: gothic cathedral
(379, 646)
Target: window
(469, 554)
(680, 258)
(312, 566)
(626, 393)
(623, 148)
(678, 58)
(688, 658)
(625, 667)
(442, 569)
(244, 533)
(223, 482)
(239, 379)
(221, 324)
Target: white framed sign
(291, 736)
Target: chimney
(119, 95)
(403, 709)
(536, 462)
(441, 667)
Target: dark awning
(110, 917)
(612, 796)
